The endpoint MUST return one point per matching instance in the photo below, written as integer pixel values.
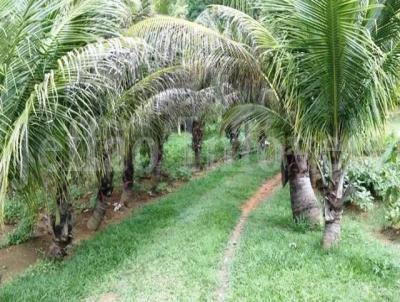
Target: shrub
(23, 232)
(182, 173)
(22, 212)
(378, 179)
(162, 187)
(13, 211)
(361, 197)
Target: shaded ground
(16, 259)
(390, 237)
(375, 222)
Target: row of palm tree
(64, 69)
(61, 65)
(319, 75)
(329, 70)
(164, 97)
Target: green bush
(182, 173)
(393, 215)
(178, 155)
(214, 149)
(377, 179)
(22, 212)
(23, 232)
(162, 187)
(13, 211)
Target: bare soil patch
(391, 236)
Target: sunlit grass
(278, 261)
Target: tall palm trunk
(197, 142)
(303, 200)
(334, 204)
(61, 223)
(128, 176)
(105, 191)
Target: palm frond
(258, 117)
(384, 23)
(62, 112)
(239, 27)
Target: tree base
(56, 251)
(126, 197)
(97, 217)
(312, 216)
(94, 222)
(331, 235)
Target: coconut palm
(197, 104)
(233, 62)
(330, 66)
(340, 64)
(173, 93)
(138, 110)
(58, 76)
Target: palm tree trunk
(61, 223)
(303, 200)
(159, 156)
(127, 176)
(105, 191)
(334, 204)
(197, 142)
(315, 175)
(235, 143)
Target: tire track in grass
(252, 203)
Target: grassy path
(168, 251)
(251, 204)
(175, 250)
(279, 261)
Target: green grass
(278, 261)
(168, 250)
(178, 153)
(178, 156)
(171, 250)
(178, 162)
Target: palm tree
(175, 93)
(340, 61)
(58, 76)
(330, 66)
(232, 62)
